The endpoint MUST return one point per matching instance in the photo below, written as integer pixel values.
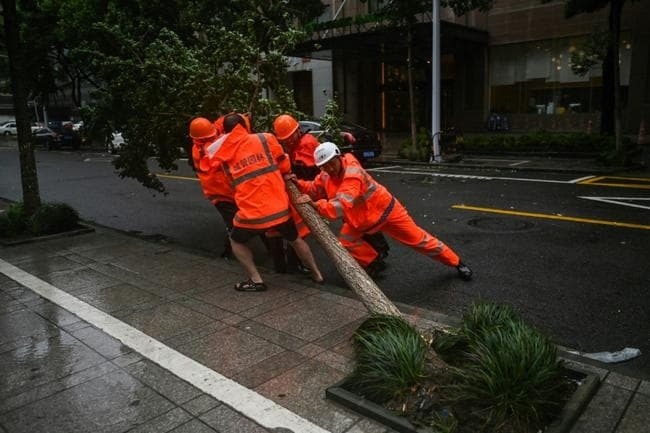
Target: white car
(116, 142)
(8, 128)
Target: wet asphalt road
(560, 265)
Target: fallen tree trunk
(353, 274)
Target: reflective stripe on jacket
(253, 165)
(355, 197)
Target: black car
(46, 137)
(363, 143)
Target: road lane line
(463, 176)
(415, 171)
(260, 409)
(621, 201)
(553, 217)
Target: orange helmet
(202, 128)
(284, 125)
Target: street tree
(158, 64)
(16, 55)
(603, 47)
(153, 65)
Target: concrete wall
(322, 86)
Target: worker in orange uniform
(301, 148)
(254, 165)
(213, 182)
(273, 242)
(345, 190)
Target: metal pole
(435, 82)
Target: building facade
(514, 60)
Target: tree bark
(353, 274)
(409, 67)
(28, 173)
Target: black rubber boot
(464, 272)
(375, 268)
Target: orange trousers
(400, 226)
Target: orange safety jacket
(254, 165)
(355, 196)
(303, 152)
(214, 183)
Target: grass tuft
(504, 366)
(48, 219)
(53, 218)
(390, 356)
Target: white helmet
(325, 152)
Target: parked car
(116, 142)
(8, 128)
(35, 125)
(70, 137)
(363, 143)
(46, 137)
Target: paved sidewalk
(105, 332)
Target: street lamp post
(435, 82)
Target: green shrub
(540, 141)
(53, 218)
(515, 373)
(390, 356)
(479, 319)
(505, 366)
(13, 221)
(422, 149)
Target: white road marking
(621, 201)
(260, 409)
(416, 171)
(460, 176)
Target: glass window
(536, 77)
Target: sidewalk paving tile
(230, 350)
(110, 403)
(301, 390)
(604, 410)
(636, 415)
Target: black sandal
(250, 286)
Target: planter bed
(24, 239)
(587, 384)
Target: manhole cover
(501, 225)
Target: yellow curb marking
(643, 182)
(553, 217)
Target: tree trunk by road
(28, 173)
(353, 274)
